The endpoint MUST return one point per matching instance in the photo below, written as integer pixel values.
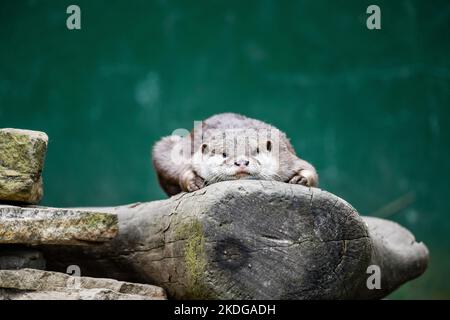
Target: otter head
(237, 154)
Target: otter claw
(298, 179)
(305, 177)
(195, 184)
(192, 182)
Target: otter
(228, 146)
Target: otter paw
(195, 184)
(304, 177)
(190, 182)
(298, 179)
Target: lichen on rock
(31, 284)
(42, 225)
(22, 155)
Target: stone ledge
(41, 225)
(31, 284)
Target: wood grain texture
(242, 240)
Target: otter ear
(269, 145)
(204, 148)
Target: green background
(370, 109)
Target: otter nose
(241, 163)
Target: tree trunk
(250, 240)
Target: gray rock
(35, 225)
(13, 259)
(251, 240)
(22, 154)
(31, 284)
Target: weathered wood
(398, 255)
(241, 240)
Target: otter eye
(269, 145)
(257, 150)
(224, 155)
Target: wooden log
(244, 240)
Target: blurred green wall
(369, 108)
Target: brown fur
(177, 176)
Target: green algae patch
(195, 259)
(95, 220)
(103, 225)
